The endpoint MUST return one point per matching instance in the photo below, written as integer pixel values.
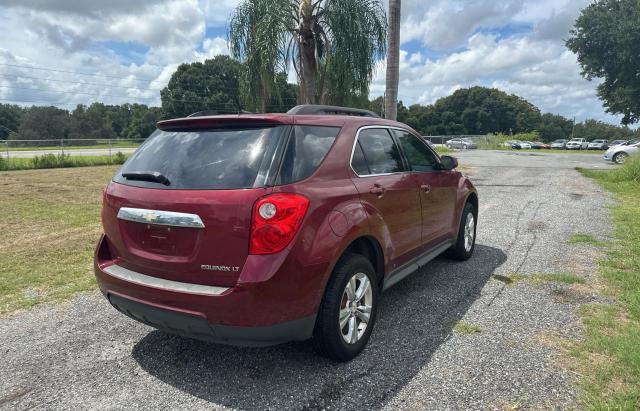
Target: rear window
(228, 158)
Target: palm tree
(332, 45)
(393, 61)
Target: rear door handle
(426, 188)
(378, 190)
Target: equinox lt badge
(219, 268)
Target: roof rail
(315, 109)
(204, 113)
(207, 113)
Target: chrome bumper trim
(170, 218)
(134, 277)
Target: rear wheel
(466, 240)
(348, 310)
(620, 158)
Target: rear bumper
(277, 305)
(194, 325)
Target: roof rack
(204, 113)
(207, 113)
(315, 109)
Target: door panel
(437, 203)
(388, 192)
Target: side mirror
(448, 162)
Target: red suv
(262, 229)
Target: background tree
(554, 127)
(212, 85)
(606, 39)
(332, 44)
(393, 61)
(9, 119)
(44, 123)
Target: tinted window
(216, 159)
(419, 156)
(380, 151)
(305, 152)
(358, 163)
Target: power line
(75, 72)
(84, 83)
(78, 92)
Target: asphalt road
(72, 152)
(83, 354)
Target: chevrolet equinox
(261, 229)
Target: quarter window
(379, 153)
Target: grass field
(59, 161)
(115, 145)
(609, 357)
(50, 224)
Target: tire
(461, 250)
(329, 339)
(620, 157)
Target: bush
(46, 161)
(3, 164)
(496, 141)
(119, 158)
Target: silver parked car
(598, 145)
(620, 153)
(559, 144)
(576, 144)
(463, 143)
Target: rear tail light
(276, 219)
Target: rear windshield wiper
(152, 176)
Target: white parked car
(620, 153)
(576, 144)
(598, 145)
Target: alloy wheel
(621, 158)
(355, 308)
(469, 232)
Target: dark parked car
(261, 229)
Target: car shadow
(415, 318)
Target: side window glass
(419, 156)
(380, 152)
(358, 162)
(305, 152)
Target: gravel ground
(84, 354)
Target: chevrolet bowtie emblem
(148, 217)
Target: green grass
(50, 224)
(542, 278)
(609, 355)
(462, 327)
(443, 150)
(116, 145)
(585, 239)
(59, 161)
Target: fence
(442, 139)
(71, 147)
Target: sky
(69, 52)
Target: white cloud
(133, 47)
(447, 24)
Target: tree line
(217, 85)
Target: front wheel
(466, 240)
(620, 158)
(348, 310)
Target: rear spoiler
(225, 121)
